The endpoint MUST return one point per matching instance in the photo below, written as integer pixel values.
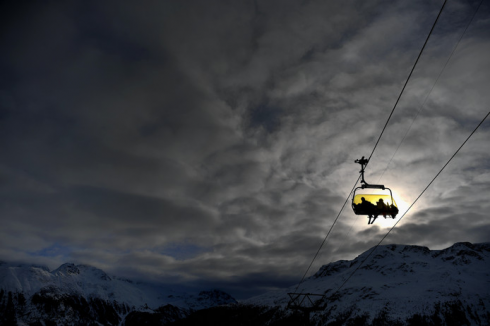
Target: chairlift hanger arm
(365, 185)
(364, 161)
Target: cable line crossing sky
(375, 145)
(210, 144)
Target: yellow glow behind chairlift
(373, 198)
(373, 205)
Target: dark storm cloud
(212, 143)
(100, 218)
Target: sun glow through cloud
(216, 142)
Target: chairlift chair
(373, 205)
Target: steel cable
(372, 152)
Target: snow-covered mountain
(400, 285)
(81, 293)
(388, 285)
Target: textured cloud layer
(213, 143)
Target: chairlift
(373, 205)
(306, 302)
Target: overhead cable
(423, 191)
(403, 89)
(430, 91)
(387, 121)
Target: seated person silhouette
(365, 207)
(381, 207)
(393, 210)
(369, 209)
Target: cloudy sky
(212, 143)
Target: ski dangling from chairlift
(373, 205)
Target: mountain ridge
(402, 281)
(82, 294)
(390, 284)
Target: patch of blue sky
(97, 30)
(266, 116)
(183, 251)
(55, 250)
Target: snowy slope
(392, 285)
(402, 281)
(90, 282)
(75, 295)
